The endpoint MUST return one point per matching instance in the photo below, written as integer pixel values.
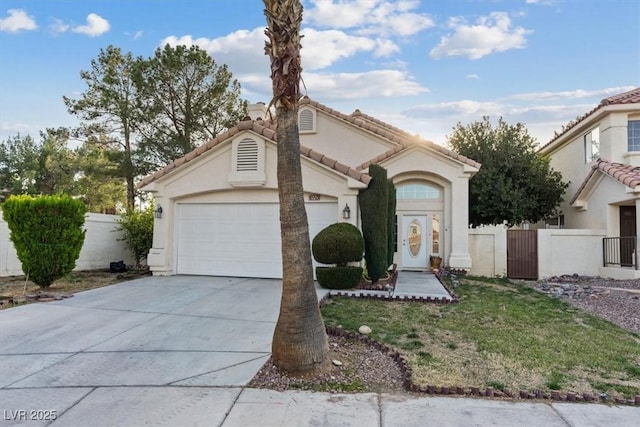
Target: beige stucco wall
(569, 251)
(567, 155)
(348, 144)
(488, 249)
(421, 163)
(101, 246)
(206, 180)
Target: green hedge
(338, 244)
(338, 277)
(47, 233)
(391, 223)
(374, 207)
(137, 227)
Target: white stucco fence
(101, 246)
(560, 251)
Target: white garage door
(237, 239)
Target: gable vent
(306, 121)
(247, 159)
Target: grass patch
(501, 334)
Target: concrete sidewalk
(180, 350)
(410, 284)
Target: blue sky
(420, 65)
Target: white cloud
(369, 17)
(138, 34)
(16, 21)
(371, 84)
(320, 49)
(243, 50)
(570, 94)
(96, 26)
(543, 2)
(473, 77)
(490, 34)
(58, 26)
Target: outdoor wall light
(346, 212)
(158, 212)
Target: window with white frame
(555, 222)
(633, 135)
(418, 192)
(591, 145)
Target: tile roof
(629, 97)
(625, 174)
(401, 138)
(387, 131)
(267, 130)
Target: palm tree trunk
(300, 341)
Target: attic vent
(306, 121)
(247, 159)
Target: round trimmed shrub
(339, 244)
(338, 277)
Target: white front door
(414, 242)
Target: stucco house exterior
(220, 202)
(599, 154)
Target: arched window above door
(418, 191)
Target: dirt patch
(17, 290)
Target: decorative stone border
(489, 392)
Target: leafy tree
(514, 184)
(30, 167)
(19, 163)
(138, 232)
(187, 99)
(57, 166)
(98, 182)
(47, 233)
(109, 106)
(300, 342)
(374, 207)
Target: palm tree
(300, 341)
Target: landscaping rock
(364, 330)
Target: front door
(414, 242)
(628, 230)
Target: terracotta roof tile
(625, 174)
(266, 129)
(389, 132)
(630, 97)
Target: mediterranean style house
(599, 154)
(217, 207)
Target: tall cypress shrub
(47, 233)
(373, 203)
(391, 223)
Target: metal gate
(522, 254)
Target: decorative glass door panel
(414, 238)
(414, 242)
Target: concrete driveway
(179, 350)
(179, 330)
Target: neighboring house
(220, 212)
(600, 155)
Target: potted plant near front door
(434, 262)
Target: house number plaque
(314, 197)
